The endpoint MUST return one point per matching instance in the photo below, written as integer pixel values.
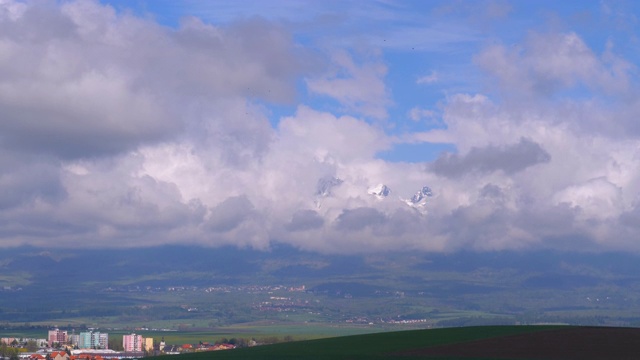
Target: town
(94, 345)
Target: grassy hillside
(371, 346)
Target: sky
(334, 126)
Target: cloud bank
(116, 131)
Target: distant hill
(489, 342)
(135, 288)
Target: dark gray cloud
(305, 220)
(325, 184)
(43, 129)
(53, 24)
(359, 218)
(631, 217)
(78, 81)
(492, 225)
(24, 180)
(230, 213)
(491, 191)
(476, 225)
(509, 159)
(404, 221)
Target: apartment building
(57, 336)
(93, 340)
(132, 342)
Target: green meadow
(276, 332)
(368, 346)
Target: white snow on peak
(422, 194)
(324, 187)
(380, 191)
(419, 200)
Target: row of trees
(9, 352)
(242, 342)
(30, 345)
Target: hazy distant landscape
(290, 292)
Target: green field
(254, 331)
(370, 346)
(523, 342)
(258, 331)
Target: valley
(289, 292)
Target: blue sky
(253, 123)
(427, 47)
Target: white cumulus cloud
(118, 131)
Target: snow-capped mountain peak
(419, 200)
(380, 191)
(326, 184)
(421, 195)
(324, 187)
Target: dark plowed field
(563, 344)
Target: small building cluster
(64, 355)
(85, 340)
(87, 345)
(23, 342)
(135, 342)
(94, 345)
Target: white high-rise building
(74, 339)
(103, 340)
